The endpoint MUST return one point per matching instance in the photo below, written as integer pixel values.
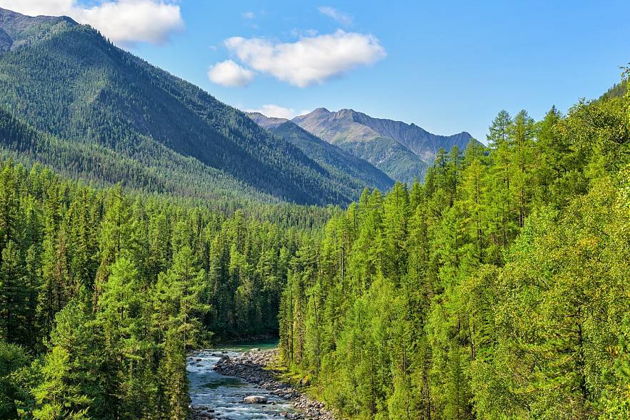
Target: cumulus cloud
(275, 111)
(134, 20)
(249, 15)
(39, 7)
(336, 15)
(228, 73)
(309, 60)
(123, 21)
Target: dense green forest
(164, 172)
(103, 292)
(497, 289)
(141, 218)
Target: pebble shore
(254, 367)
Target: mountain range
(336, 160)
(72, 100)
(401, 150)
(64, 81)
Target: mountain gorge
(403, 151)
(65, 81)
(356, 171)
(146, 228)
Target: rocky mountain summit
(401, 150)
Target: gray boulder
(255, 399)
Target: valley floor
(257, 367)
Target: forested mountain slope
(66, 80)
(401, 150)
(497, 289)
(357, 172)
(161, 171)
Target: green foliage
(495, 290)
(70, 386)
(102, 292)
(12, 359)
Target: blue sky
(447, 66)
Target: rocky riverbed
(254, 367)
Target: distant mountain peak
(319, 111)
(346, 112)
(356, 172)
(265, 121)
(383, 142)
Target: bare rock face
(255, 399)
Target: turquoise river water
(224, 394)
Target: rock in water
(255, 399)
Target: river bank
(217, 396)
(256, 367)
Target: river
(224, 394)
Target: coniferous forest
(141, 219)
(497, 289)
(103, 292)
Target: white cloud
(309, 60)
(336, 15)
(39, 7)
(122, 21)
(135, 20)
(275, 111)
(228, 73)
(249, 15)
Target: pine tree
(14, 304)
(124, 319)
(12, 359)
(115, 236)
(521, 137)
(71, 386)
